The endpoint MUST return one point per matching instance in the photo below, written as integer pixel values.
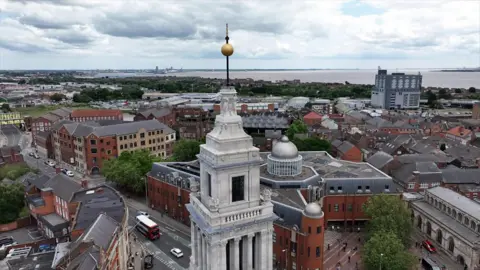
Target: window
(309, 229)
(339, 189)
(319, 229)
(108, 143)
(274, 237)
(142, 135)
(387, 188)
(109, 152)
(93, 142)
(129, 136)
(209, 183)
(238, 188)
(329, 208)
(411, 185)
(318, 252)
(335, 207)
(101, 141)
(367, 188)
(121, 138)
(424, 185)
(93, 150)
(349, 207)
(332, 189)
(142, 143)
(308, 251)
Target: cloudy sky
(119, 34)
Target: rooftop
(63, 186)
(36, 261)
(457, 200)
(94, 201)
(95, 113)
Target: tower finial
(227, 51)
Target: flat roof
(457, 200)
(37, 261)
(329, 167)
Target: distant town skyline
(100, 34)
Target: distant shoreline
(458, 70)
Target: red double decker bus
(147, 227)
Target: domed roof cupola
(284, 159)
(313, 210)
(284, 148)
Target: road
(440, 257)
(160, 248)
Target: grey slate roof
(457, 200)
(63, 186)
(132, 127)
(62, 112)
(101, 231)
(156, 112)
(38, 181)
(439, 156)
(428, 172)
(345, 147)
(461, 176)
(379, 159)
(102, 199)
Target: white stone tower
(232, 222)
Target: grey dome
(284, 149)
(313, 210)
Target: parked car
(176, 252)
(6, 242)
(35, 155)
(50, 163)
(428, 246)
(67, 172)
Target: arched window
(466, 221)
(473, 225)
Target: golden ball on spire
(227, 49)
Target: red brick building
(312, 118)
(65, 211)
(83, 147)
(95, 115)
(193, 123)
(46, 121)
(10, 155)
(346, 151)
(163, 115)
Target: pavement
(334, 256)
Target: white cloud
(265, 34)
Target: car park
(176, 252)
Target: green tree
(388, 213)
(22, 81)
(384, 250)
(129, 170)
(11, 202)
(57, 97)
(297, 127)
(6, 107)
(81, 98)
(312, 144)
(472, 90)
(186, 150)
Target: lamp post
(381, 259)
(286, 257)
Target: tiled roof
(95, 113)
(63, 186)
(457, 200)
(62, 112)
(101, 231)
(313, 115)
(156, 112)
(461, 176)
(459, 131)
(428, 172)
(132, 127)
(379, 159)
